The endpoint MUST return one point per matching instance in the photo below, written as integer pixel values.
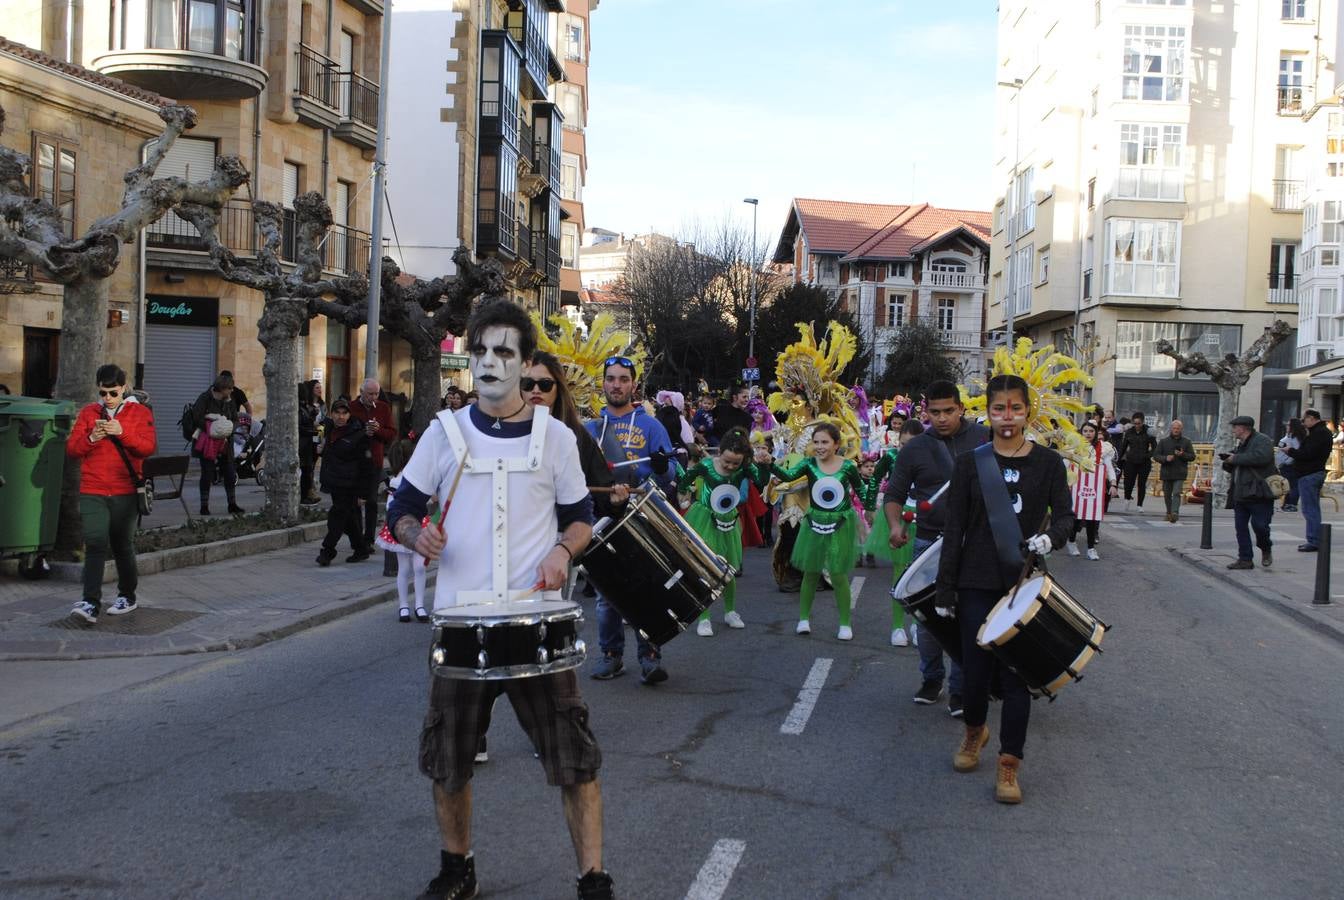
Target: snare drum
(1043, 634)
(915, 591)
(521, 639)
(652, 566)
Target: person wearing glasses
(638, 445)
(111, 439)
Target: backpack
(187, 424)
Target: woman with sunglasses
(111, 439)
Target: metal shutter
(192, 159)
(179, 364)
(290, 188)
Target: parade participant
(1173, 455)
(546, 496)
(923, 466)
(858, 401)
(879, 541)
(635, 441)
(720, 477)
(865, 504)
(703, 421)
(111, 438)
(828, 537)
(733, 413)
(1090, 489)
(410, 565)
(972, 576)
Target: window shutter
(340, 204)
(189, 158)
(290, 188)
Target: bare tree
(289, 298)
(423, 313)
(1230, 374)
(31, 232)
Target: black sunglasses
(545, 384)
(112, 393)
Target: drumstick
(598, 489)
(1027, 566)
(532, 590)
(452, 489)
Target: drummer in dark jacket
(970, 584)
(347, 465)
(924, 465)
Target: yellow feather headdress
(1046, 373)
(583, 357)
(808, 372)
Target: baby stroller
(248, 449)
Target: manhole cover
(144, 621)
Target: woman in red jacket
(107, 502)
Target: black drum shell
(1058, 636)
(945, 629)
(511, 648)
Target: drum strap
(1003, 522)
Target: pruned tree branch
(1232, 371)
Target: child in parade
(828, 536)
(714, 514)
(878, 543)
(865, 503)
(410, 565)
(1091, 489)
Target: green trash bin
(32, 461)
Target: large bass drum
(519, 639)
(652, 566)
(915, 592)
(1043, 634)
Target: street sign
(751, 362)
(752, 374)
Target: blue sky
(696, 104)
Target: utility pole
(751, 333)
(379, 181)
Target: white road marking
(717, 870)
(807, 698)
(855, 585)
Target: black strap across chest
(1003, 523)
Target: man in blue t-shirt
(638, 446)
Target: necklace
(1017, 451)
(498, 419)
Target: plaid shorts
(548, 707)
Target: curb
(349, 606)
(1285, 604)
(193, 555)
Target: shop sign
(198, 311)
(454, 361)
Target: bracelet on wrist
(568, 552)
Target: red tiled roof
(917, 229)
(599, 297)
(837, 226)
(104, 81)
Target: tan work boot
(1006, 788)
(967, 756)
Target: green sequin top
(848, 476)
(710, 479)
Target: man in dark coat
(1136, 457)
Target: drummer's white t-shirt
(465, 562)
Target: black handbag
(144, 489)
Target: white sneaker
(86, 611)
(733, 620)
(898, 638)
(704, 629)
(121, 606)
(1092, 554)
(845, 633)
(804, 627)
(1072, 548)
(914, 636)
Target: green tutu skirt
(836, 552)
(877, 544)
(727, 544)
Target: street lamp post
(751, 333)
(1011, 296)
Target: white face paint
(496, 365)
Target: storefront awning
(1324, 374)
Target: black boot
(596, 885)
(234, 508)
(205, 506)
(456, 879)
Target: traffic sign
(752, 374)
(751, 362)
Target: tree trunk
(83, 329)
(279, 334)
(426, 368)
(1228, 400)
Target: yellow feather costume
(583, 357)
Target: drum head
(921, 574)
(539, 610)
(1005, 616)
(724, 499)
(828, 493)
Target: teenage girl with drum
(969, 588)
(714, 514)
(828, 535)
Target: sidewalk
(221, 606)
(1288, 585)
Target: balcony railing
(345, 250)
(963, 280)
(525, 243)
(1290, 99)
(1282, 289)
(358, 98)
(315, 76)
(1288, 194)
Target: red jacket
(103, 472)
(386, 433)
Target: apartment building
(486, 144)
(892, 265)
(1149, 158)
(83, 131)
(603, 256)
(290, 87)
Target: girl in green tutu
(714, 514)
(878, 543)
(828, 536)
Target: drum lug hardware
(482, 661)
(541, 632)
(667, 585)
(543, 657)
(437, 657)
(580, 649)
(480, 635)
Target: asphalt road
(1198, 758)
